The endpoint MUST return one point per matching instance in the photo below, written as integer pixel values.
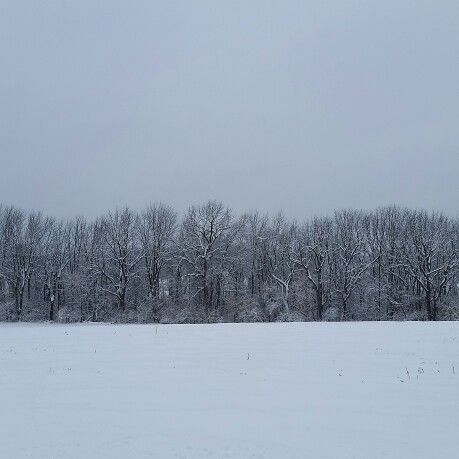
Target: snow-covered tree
(117, 254)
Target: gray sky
(301, 105)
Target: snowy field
(351, 390)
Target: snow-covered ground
(351, 390)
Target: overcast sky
(305, 106)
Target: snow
(301, 390)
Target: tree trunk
(52, 309)
(122, 299)
(319, 296)
(430, 315)
(319, 299)
(344, 311)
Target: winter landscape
(229, 229)
(321, 390)
(142, 334)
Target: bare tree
(205, 240)
(56, 259)
(281, 255)
(350, 255)
(430, 258)
(117, 255)
(21, 236)
(312, 254)
(257, 230)
(156, 230)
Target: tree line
(211, 265)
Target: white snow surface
(298, 390)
